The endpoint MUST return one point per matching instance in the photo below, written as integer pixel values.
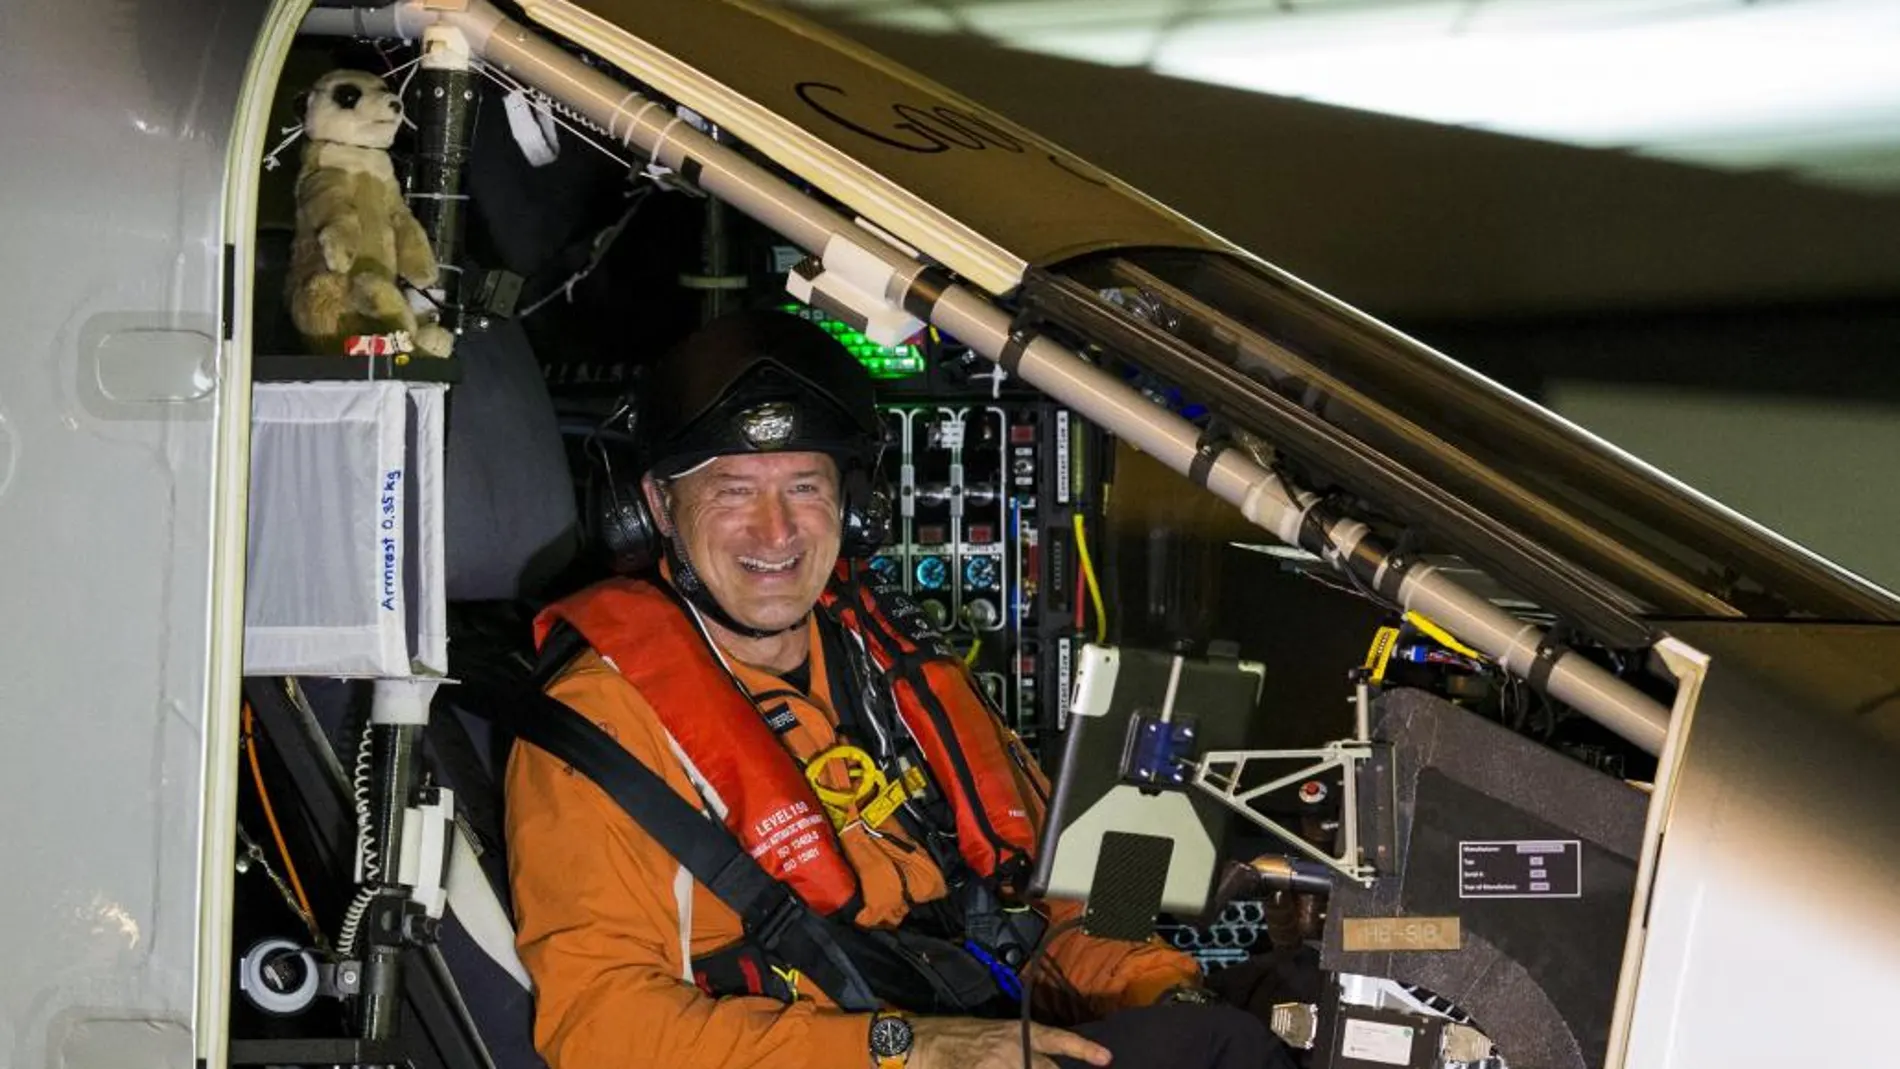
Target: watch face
(890, 1037)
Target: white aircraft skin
(130, 143)
(119, 395)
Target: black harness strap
(564, 643)
(844, 700)
(477, 794)
(771, 913)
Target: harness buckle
(783, 914)
(895, 793)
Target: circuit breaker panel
(986, 492)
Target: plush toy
(355, 236)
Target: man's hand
(969, 1043)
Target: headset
(757, 381)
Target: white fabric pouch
(345, 560)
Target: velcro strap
(1012, 355)
(1206, 452)
(1548, 653)
(925, 291)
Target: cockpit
(1397, 661)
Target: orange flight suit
(608, 922)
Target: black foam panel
(1538, 974)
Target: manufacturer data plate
(1520, 868)
(1401, 933)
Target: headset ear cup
(626, 528)
(867, 515)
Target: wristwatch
(891, 1037)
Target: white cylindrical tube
(405, 20)
(402, 701)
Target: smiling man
(762, 531)
(816, 723)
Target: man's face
(762, 530)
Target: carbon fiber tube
(446, 102)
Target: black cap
(758, 382)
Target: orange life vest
(982, 770)
(758, 789)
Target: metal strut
(1220, 774)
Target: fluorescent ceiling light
(1809, 84)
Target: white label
(532, 127)
(1062, 456)
(1064, 665)
(952, 429)
(1512, 868)
(389, 517)
(863, 269)
(1370, 1041)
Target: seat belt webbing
(771, 913)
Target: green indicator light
(882, 362)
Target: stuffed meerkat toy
(355, 236)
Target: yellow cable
(975, 648)
(1441, 636)
(1088, 573)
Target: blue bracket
(1161, 755)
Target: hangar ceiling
(1809, 87)
(1713, 154)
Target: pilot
(819, 725)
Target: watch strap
(901, 1058)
